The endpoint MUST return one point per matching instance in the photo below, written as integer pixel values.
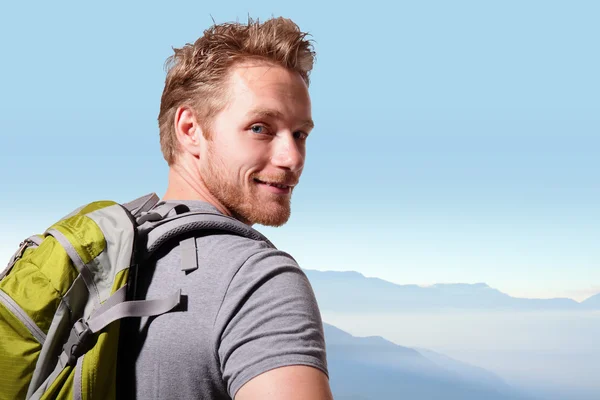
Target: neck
(186, 184)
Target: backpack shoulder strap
(158, 229)
(142, 204)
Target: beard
(247, 203)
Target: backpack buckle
(22, 247)
(16, 257)
(78, 341)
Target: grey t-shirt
(248, 308)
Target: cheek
(243, 156)
(245, 163)
(257, 153)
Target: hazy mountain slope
(352, 292)
(592, 302)
(374, 368)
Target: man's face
(257, 142)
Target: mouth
(276, 187)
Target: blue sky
(454, 141)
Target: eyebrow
(274, 114)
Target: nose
(288, 153)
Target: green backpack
(63, 293)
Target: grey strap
(157, 213)
(63, 361)
(78, 381)
(114, 299)
(137, 308)
(162, 231)
(86, 274)
(142, 204)
(78, 342)
(36, 239)
(189, 254)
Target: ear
(188, 130)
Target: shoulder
(267, 271)
(250, 271)
(269, 318)
(243, 258)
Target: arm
(270, 339)
(296, 382)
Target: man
(234, 119)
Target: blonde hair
(197, 73)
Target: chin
(270, 215)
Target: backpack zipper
(22, 316)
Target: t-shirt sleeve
(269, 318)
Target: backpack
(64, 292)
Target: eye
(300, 135)
(256, 128)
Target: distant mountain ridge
(374, 368)
(592, 302)
(335, 291)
